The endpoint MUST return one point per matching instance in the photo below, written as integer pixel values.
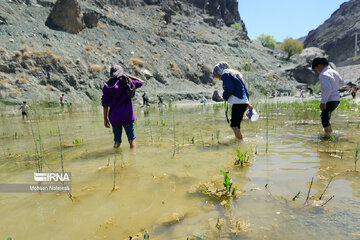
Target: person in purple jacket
(117, 106)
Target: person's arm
(325, 91)
(106, 119)
(136, 81)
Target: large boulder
(311, 53)
(304, 74)
(66, 16)
(216, 97)
(91, 20)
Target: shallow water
(153, 182)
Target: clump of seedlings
(242, 158)
(213, 188)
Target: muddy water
(178, 149)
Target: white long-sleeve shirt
(330, 82)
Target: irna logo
(52, 177)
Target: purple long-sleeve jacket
(121, 109)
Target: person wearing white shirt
(330, 82)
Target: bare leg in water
(132, 144)
(328, 130)
(237, 133)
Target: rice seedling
(77, 142)
(146, 235)
(356, 155)
(296, 196)
(228, 183)
(308, 195)
(326, 188)
(242, 158)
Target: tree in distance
(267, 41)
(291, 47)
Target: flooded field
(172, 187)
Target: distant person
(235, 93)
(302, 93)
(330, 82)
(24, 109)
(203, 100)
(310, 90)
(161, 101)
(353, 88)
(62, 100)
(121, 114)
(145, 100)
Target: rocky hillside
(47, 49)
(337, 34)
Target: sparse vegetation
(236, 26)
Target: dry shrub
(5, 84)
(92, 43)
(22, 78)
(138, 62)
(51, 54)
(49, 86)
(102, 26)
(25, 49)
(101, 47)
(17, 53)
(88, 48)
(137, 69)
(15, 92)
(34, 70)
(175, 71)
(95, 69)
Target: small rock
(11, 40)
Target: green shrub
(267, 41)
(291, 47)
(236, 26)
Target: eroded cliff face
(171, 45)
(337, 34)
(224, 10)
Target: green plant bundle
(241, 158)
(227, 181)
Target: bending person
(235, 93)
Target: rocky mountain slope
(172, 46)
(336, 35)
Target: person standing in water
(24, 109)
(330, 82)
(62, 100)
(235, 93)
(117, 105)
